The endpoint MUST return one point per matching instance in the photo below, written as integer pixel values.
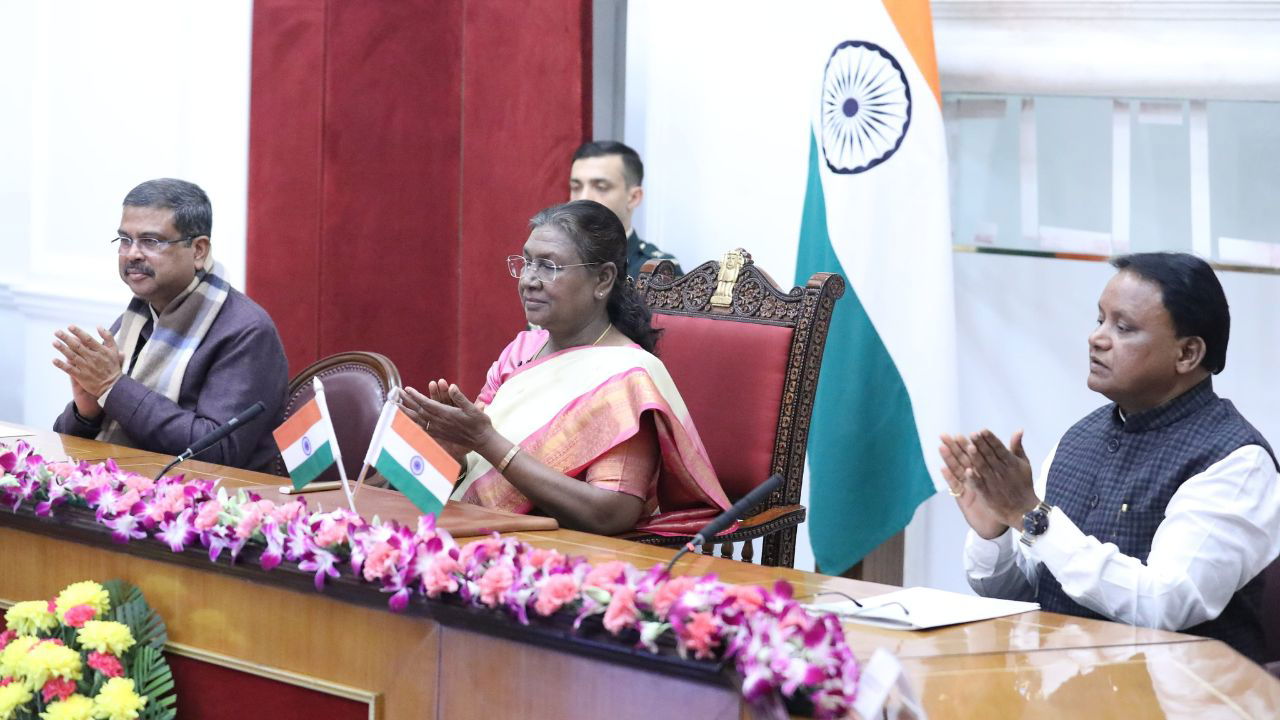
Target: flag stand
(375, 442)
(337, 452)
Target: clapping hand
(1001, 476)
(92, 366)
(459, 425)
(956, 469)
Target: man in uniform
(611, 174)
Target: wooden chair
(745, 356)
(356, 385)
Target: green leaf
(128, 606)
(144, 663)
(152, 677)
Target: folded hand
(956, 466)
(93, 366)
(1001, 475)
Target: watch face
(1035, 522)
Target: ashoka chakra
(866, 107)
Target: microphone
(218, 433)
(730, 516)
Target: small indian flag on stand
(305, 444)
(411, 461)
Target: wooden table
(1034, 665)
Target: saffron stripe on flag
(420, 441)
(310, 469)
(292, 430)
(409, 484)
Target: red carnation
(79, 615)
(60, 688)
(7, 637)
(106, 663)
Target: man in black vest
(1159, 509)
(611, 174)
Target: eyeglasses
(149, 246)
(541, 270)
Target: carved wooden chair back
(745, 356)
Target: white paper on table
(13, 431)
(925, 608)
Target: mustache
(139, 267)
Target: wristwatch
(1035, 522)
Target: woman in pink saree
(578, 419)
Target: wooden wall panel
(306, 633)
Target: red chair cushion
(731, 375)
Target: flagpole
(333, 438)
(364, 469)
(375, 440)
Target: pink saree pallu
(569, 408)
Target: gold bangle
(506, 459)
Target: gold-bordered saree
(571, 407)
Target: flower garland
(91, 652)
(775, 643)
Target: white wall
(1021, 322)
(99, 97)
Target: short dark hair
(1193, 296)
(632, 168)
(192, 212)
(597, 233)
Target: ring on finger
(954, 493)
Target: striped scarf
(178, 331)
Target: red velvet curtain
(396, 153)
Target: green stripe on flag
(867, 472)
(405, 481)
(310, 469)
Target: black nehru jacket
(1114, 480)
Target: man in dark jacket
(1159, 509)
(188, 353)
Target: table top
(1036, 664)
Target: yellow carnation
(47, 660)
(14, 652)
(30, 617)
(75, 707)
(105, 636)
(118, 701)
(12, 697)
(83, 593)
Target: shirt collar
(1171, 412)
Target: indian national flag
(876, 211)
(411, 461)
(306, 444)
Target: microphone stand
(728, 517)
(212, 438)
